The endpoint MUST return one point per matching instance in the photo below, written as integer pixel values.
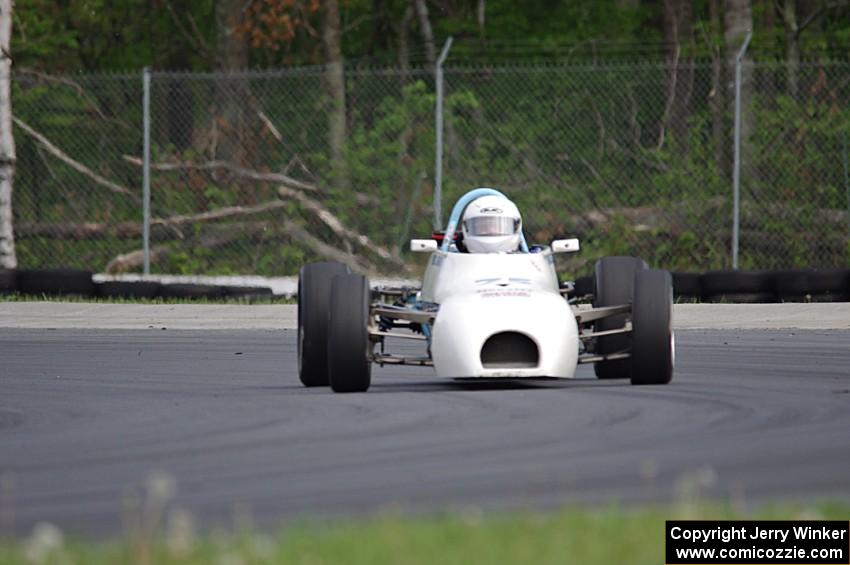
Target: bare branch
(336, 225)
(135, 259)
(286, 189)
(203, 42)
(129, 230)
(357, 22)
(76, 165)
(197, 41)
(235, 169)
(218, 214)
(816, 14)
(270, 126)
(327, 251)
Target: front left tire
(614, 285)
(653, 346)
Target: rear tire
(314, 295)
(614, 278)
(349, 366)
(653, 349)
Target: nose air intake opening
(509, 350)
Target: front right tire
(653, 348)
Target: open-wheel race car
(485, 313)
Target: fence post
(736, 172)
(146, 169)
(438, 165)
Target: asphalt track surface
(87, 415)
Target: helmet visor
(491, 225)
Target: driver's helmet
(492, 224)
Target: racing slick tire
(349, 366)
(653, 347)
(614, 280)
(314, 296)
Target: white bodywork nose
(466, 322)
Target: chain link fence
(259, 172)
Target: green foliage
(110, 35)
(583, 150)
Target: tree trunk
(8, 258)
(767, 23)
(718, 102)
(335, 78)
(231, 93)
(792, 47)
(481, 16)
(678, 36)
(404, 42)
(425, 29)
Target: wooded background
(290, 130)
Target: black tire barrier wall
(751, 287)
(8, 281)
(794, 285)
(53, 282)
(190, 291)
(127, 289)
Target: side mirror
(565, 246)
(423, 245)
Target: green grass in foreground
(577, 535)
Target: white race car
(487, 315)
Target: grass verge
(584, 536)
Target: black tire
(793, 284)
(584, 286)
(190, 291)
(349, 366)
(614, 280)
(8, 281)
(652, 331)
(128, 289)
(736, 282)
(829, 285)
(687, 285)
(314, 296)
(55, 281)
